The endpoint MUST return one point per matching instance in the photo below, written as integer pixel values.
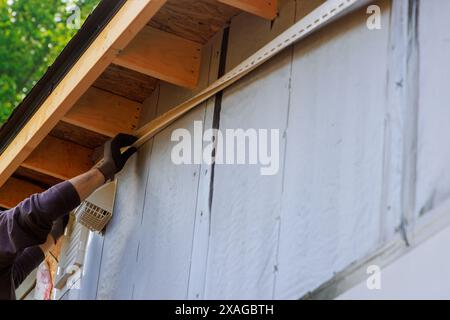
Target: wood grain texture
(104, 113)
(78, 135)
(43, 180)
(164, 56)
(126, 83)
(264, 8)
(305, 7)
(194, 20)
(59, 158)
(16, 190)
(122, 28)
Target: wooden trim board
(16, 190)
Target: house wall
(433, 150)
(422, 272)
(339, 101)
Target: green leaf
(33, 33)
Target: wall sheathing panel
(265, 236)
(284, 235)
(331, 204)
(433, 149)
(119, 266)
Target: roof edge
(75, 48)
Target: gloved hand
(59, 225)
(113, 160)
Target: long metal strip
(315, 20)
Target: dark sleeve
(26, 262)
(30, 222)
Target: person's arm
(30, 222)
(30, 259)
(113, 161)
(87, 183)
(26, 262)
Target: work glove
(59, 226)
(113, 160)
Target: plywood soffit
(195, 20)
(126, 83)
(60, 159)
(164, 56)
(263, 8)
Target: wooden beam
(16, 190)
(127, 83)
(81, 136)
(164, 56)
(59, 158)
(263, 8)
(105, 113)
(122, 28)
(197, 20)
(42, 180)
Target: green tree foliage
(32, 34)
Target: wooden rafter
(264, 8)
(59, 158)
(78, 135)
(122, 28)
(127, 83)
(40, 179)
(16, 190)
(164, 56)
(105, 113)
